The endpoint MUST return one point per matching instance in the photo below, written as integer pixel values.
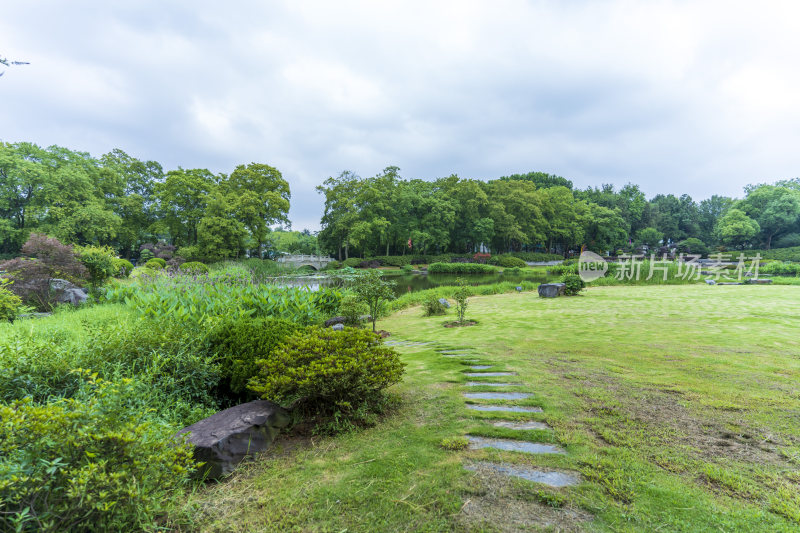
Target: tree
(262, 199)
(340, 211)
(220, 235)
(183, 197)
(374, 291)
(776, 209)
(736, 229)
(650, 237)
(604, 228)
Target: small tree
(374, 291)
(100, 261)
(460, 296)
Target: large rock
(67, 292)
(335, 320)
(444, 303)
(222, 440)
(551, 290)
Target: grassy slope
(679, 405)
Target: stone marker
(225, 438)
(551, 290)
(710, 282)
(444, 303)
(338, 327)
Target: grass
(677, 404)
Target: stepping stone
(489, 374)
(481, 367)
(531, 424)
(511, 445)
(489, 384)
(551, 478)
(497, 395)
(508, 408)
(463, 350)
(465, 354)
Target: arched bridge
(315, 261)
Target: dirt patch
(460, 324)
(498, 503)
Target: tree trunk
(387, 247)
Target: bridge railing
(300, 258)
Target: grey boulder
(757, 281)
(444, 303)
(551, 290)
(335, 320)
(337, 327)
(225, 438)
(710, 282)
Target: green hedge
(507, 261)
(460, 268)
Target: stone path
(552, 478)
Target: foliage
(333, 265)
(374, 291)
(146, 255)
(692, 245)
(407, 268)
(194, 267)
(33, 277)
(352, 307)
(460, 268)
(433, 306)
(197, 301)
(352, 262)
(780, 268)
(87, 465)
(324, 371)
(100, 263)
(122, 268)
(460, 295)
(238, 344)
(155, 264)
(537, 257)
(447, 291)
(573, 284)
(144, 272)
(10, 303)
(789, 240)
(560, 270)
(507, 261)
(735, 228)
(649, 237)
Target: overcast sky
(680, 97)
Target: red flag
(409, 242)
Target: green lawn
(679, 406)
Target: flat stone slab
(508, 408)
(759, 281)
(225, 438)
(530, 424)
(489, 384)
(730, 283)
(465, 354)
(481, 367)
(552, 478)
(511, 445)
(489, 374)
(497, 395)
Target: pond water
(406, 283)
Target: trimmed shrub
(330, 373)
(433, 306)
(370, 263)
(146, 255)
(507, 261)
(122, 268)
(194, 267)
(395, 260)
(9, 302)
(155, 264)
(144, 271)
(352, 262)
(333, 265)
(90, 465)
(692, 245)
(460, 268)
(537, 256)
(573, 284)
(407, 268)
(238, 344)
(160, 260)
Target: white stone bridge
(317, 262)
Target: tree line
(388, 215)
(122, 202)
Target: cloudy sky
(693, 97)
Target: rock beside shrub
(224, 439)
(551, 290)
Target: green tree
(736, 229)
(220, 235)
(183, 198)
(776, 209)
(650, 237)
(374, 291)
(261, 199)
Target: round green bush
(352, 308)
(507, 261)
(154, 264)
(460, 268)
(573, 284)
(559, 270)
(160, 261)
(122, 268)
(333, 265)
(145, 255)
(326, 371)
(194, 267)
(144, 271)
(239, 343)
(352, 262)
(406, 268)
